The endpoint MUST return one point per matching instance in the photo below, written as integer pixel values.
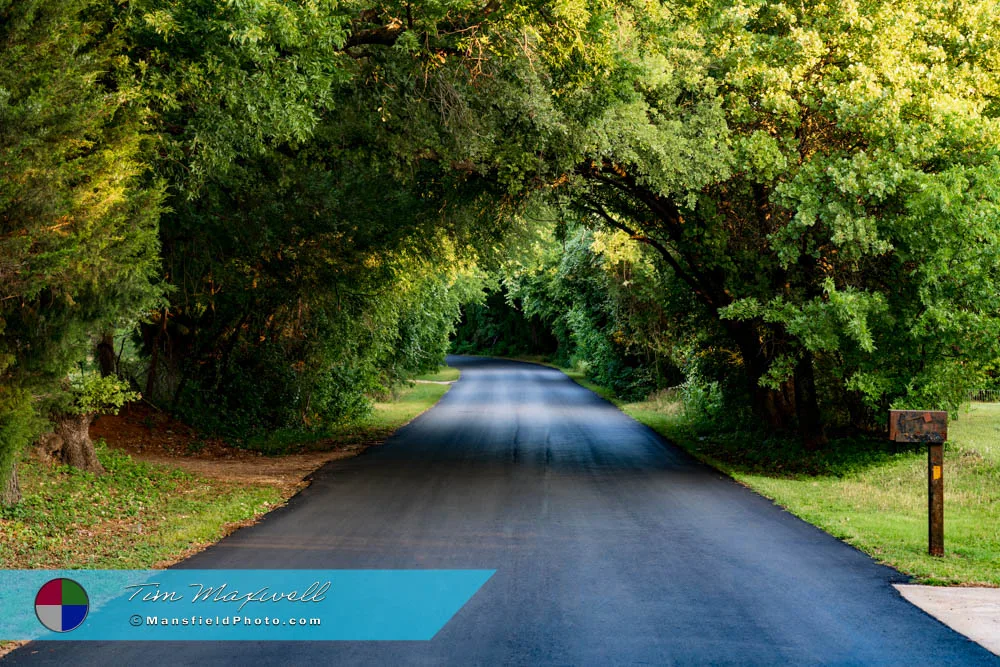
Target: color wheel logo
(61, 605)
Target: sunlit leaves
(826, 172)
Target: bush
(19, 425)
(339, 395)
(91, 394)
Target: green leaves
(823, 324)
(229, 80)
(78, 209)
(93, 394)
(814, 187)
(822, 178)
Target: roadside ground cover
(444, 374)
(167, 492)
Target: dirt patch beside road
(151, 436)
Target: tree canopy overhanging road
(610, 546)
(260, 214)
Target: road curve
(610, 547)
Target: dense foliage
(821, 178)
(223, 176)
(78, 215)
(281, 206)
(498, 327)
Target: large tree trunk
(11, 493)
(807, 404)
(106, 354)
(78, 448)
(776, 407)
(154, 358)
(793, 406)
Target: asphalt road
(610, 546)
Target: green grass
(140, 514)
(133, 517)
(580, 378)
(444, 374)
(882, 508)
(405, 406)
(871, 494)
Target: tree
(604, 300)
(90, 394)
(312, 247)
(821, 177)
(77, 214)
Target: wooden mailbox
(930, 426)
(918, 425)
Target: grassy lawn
(872, 495)
(408, 404)
(444, 374)
(882, 509)
(136, 516)
(141, 515)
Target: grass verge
(443, 374)
(149, 515)
(136, 516)
(144, 515)
(404, 404)
(871, 494)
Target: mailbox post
(930, 427)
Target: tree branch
(702, 281)
(663, 250)
(386, 35)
